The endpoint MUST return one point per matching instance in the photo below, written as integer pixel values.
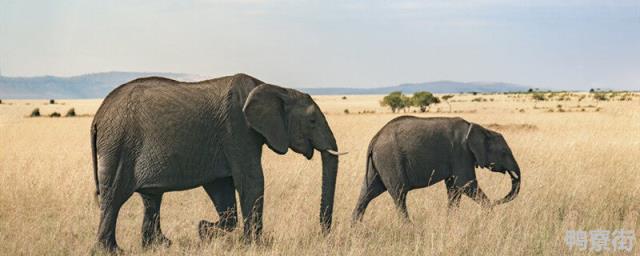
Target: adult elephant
(411, 152)
(155, 135)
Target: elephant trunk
(515, 186)
(329, 172)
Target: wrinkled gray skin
(155, 135)
(411, 152)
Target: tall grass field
(580, 161)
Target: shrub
(35, 112)
(478, 99)
(600, 97)
(71, 113)
(346, 111)
(52, 101)
(538, 97)
(0, 101)
(54, 114)
(625, 97)
(446, 99)
(344, 97)
(521, 110)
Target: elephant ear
(477, 142)
(264, 112)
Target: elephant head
(492, 152)
(286, 119)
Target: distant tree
(530, 90)
(52, 101)
(592, 90)
(446, 99)
(407, 102)
(423, 100)
(395, 101)
(344, 97)
(474, 93)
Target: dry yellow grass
(579, 169)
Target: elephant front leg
(151, 232)
(222, 193)
(251, 203)
(473, 191)
(454, 193)
(250, 185)
(248, 180)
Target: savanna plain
(579, 160)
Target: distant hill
(98, 85)
(434, 87)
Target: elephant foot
(259, 240)
(106, 248)
(158, 241)
(208, 230)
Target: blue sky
(568, 45)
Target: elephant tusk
(336, 153)
(514, 174)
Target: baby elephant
(412, 152)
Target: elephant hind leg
(223, 194)
(399, 196)
(369, 191)
(114, 192)
(107, 228)
(151, 232)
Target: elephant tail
(370, 171)
(94, 157)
